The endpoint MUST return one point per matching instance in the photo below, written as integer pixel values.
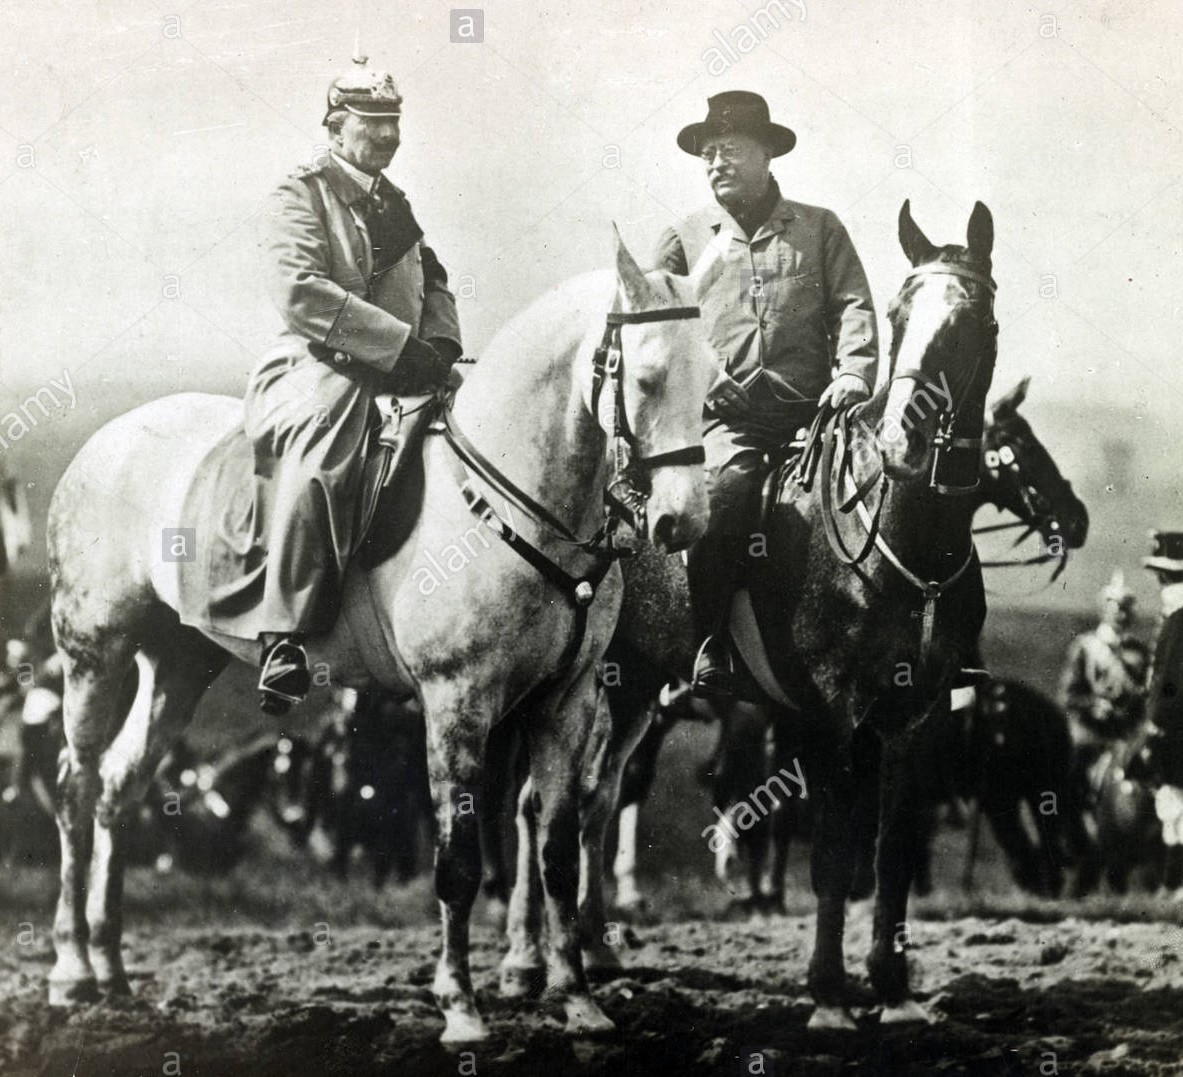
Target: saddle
(225, 509)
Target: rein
(834, 430)
(466, 460)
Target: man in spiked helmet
(1103, 689)
(367, 310)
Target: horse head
(944, 343)
(665, 367)
(1021, 477)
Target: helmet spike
(358, 57)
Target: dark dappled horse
(1027, 734)
(864, 644)
(554, 390)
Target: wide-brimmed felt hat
(737, 112)
(1167, 552)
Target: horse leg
(895, 864)
(173, 677)
(1007, 825)
(624, 865)
(501, 757)
(611, 746)
(832, 871)
(523, 969)
(94, 670)
(456, 735)
(558, 751)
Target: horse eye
(1006, 454)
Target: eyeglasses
(725, 152)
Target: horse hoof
(116, 987)
(909, 1012)
(63, 993)
(522, 982)
(831, 1019)
(602, 961)
(464, 1026)
(496, 914)
(585, 1018)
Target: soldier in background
(1103, 690)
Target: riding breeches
(308, 423)
(735, 471)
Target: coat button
(422, 293)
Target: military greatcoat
(352, 278)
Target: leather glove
(448, 350)
(845, 391)
(419, 369)
(727, 398)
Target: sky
(139, 140)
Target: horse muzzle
(677, 509)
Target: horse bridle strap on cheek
(466, 458)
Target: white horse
(542, 403)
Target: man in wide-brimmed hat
(792, 323)
(367, 311)
(1165, 702)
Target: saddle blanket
(225, 509)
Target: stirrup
(284, 678)
(970, 677)
(711, 680)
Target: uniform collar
(781, 214)
(349, 183)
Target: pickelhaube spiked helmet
(364, 92)
(1117, 591)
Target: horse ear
(915, 243)
(1010, 402)
(631, 277)
(709, 266)
(980, 233)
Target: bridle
(957, 451)
(627, 493)
(949, 476)
(630, 475)
(1004, 459)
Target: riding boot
(715, 568)
(284, 678)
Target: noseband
(628, 490)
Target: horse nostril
(663, 532)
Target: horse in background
(16, 537)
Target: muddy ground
(293, 984)
(278, 969)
